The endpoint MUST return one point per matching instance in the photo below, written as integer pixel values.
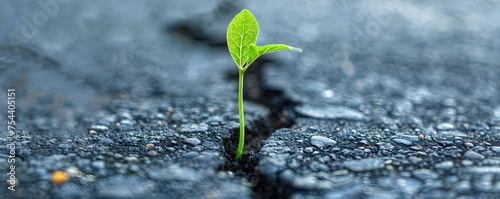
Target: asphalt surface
(389, 99)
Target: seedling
(241, 36)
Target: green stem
(241, 143)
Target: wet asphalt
(389, 99)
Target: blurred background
(68, 59)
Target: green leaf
(241, 38)
(270, 48)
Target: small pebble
(149, 146)
(330, 112)
(65, 146)
(445, 127)
(73, 171)
(308, 150)
(478, 149)
(152, 153)
(484, 170)
(363, 165)
(416, 148)
(425, 174)
(193, 128)
(462, 186)
(468, 145)
(320, 141)
(445, 143)
(106, 141)
(98, 164)
(444, 165)
(415, 160)
(134, 168)
(192, 141)
(402, 142)
(495, 149)
(467, 162)
(59, 177)
(472, 155)
(310, 183)
(131, 159)
(99, 127)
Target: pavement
(389, 99)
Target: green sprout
(241, 37)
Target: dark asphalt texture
(390, 99)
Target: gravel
(138, 100)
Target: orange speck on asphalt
(59, 177)
(421, 137)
